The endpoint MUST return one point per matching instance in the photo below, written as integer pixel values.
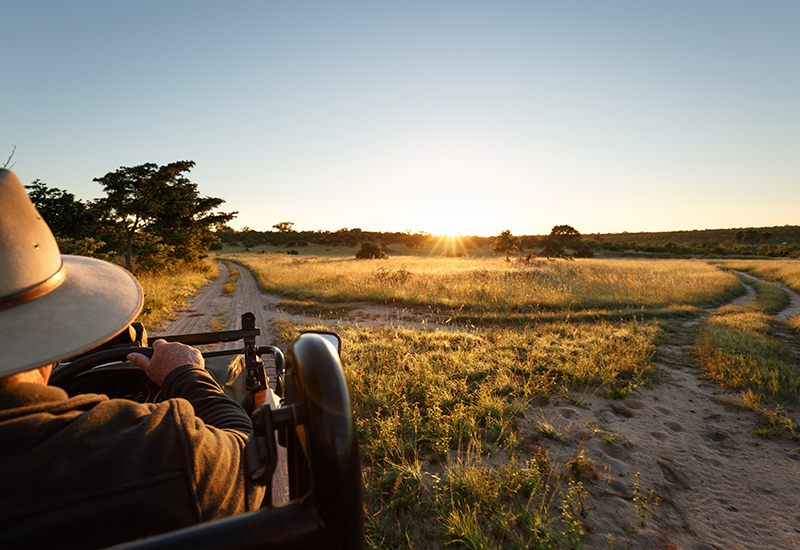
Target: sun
(454, 213)
(453, 245)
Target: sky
(440, 116)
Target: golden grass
(493, 285)
(786, 271)
(233, 278)
(165, 292)
(738, 350)
(453, 399)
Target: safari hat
(53, 307)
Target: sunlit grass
(786, 271)
(494, 286)
(233, 278)
(739, 351)
(435, 410)
(165, 292)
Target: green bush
(370, 251)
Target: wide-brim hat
(53, 306)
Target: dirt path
(720, 486)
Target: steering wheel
(67, 372)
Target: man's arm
(219, 492)
(179, 370)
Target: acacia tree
(505, 243)
(751, 237)
(163, 202)
(565, 235)
(284, 227)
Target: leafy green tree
(506, 243)
(68, 217)
(187, 221)
(86, 246)
(161, 201)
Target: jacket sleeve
(198, 387)
(214, 431)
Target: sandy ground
(720, 486)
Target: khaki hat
(53, 307)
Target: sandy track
(721, 486)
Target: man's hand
(166, 358)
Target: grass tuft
(739, 352)
(233, 278)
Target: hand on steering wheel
(166, 358)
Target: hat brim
(96, 301)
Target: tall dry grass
(493, 285)
(786, 271)
(739, 350)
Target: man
(88, 471)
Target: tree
(163, 202)
(284, 227)
(505, 243)
(565, 235)
(187, 220)
(551, 248)
(67, 216)
(751, 237)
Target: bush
(584, 251)
(370, 251)
(86, 246)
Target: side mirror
(334, 339)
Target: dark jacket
(89, 472)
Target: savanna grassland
(515, 404)
(495, 287)
(744, 349)
(785, 271)
(451, 454)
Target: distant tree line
(563, 241)
(284, 235)
(151, 216)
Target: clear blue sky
(459, 116)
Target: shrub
(584, 251)
(370, 251)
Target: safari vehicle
(303, 447)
